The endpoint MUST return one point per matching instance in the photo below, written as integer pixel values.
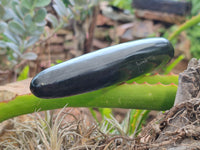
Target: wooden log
(180, 8)
(11, 90)
(164, 17)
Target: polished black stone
(102, 68)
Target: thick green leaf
(139, 96)
(42, 3)
(24, 10)
(27, 3)
(9, 14)
(24, 74)
(3, 26)
(29, 56)
(60, 8)
(32, 28)
(40, 15)
(41, 24)
(2, 11)
(52, 19)
(14, 47)
(31, 41)
(12, 37)
(5, 2)
(154, 79)
(16, 27)
(39, 31)
(18, 11)
(105, 112)
(28, 20)
(169, 68)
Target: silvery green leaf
(11, 36)
(31, 41)
(14, 47)
(16, 56)
(3, 26)
(24, 10)
(9, 14)
(19, 12)
(3, 44)
(28, 20)
(38, 31)
(31, 29)
(5, 2)
(41, 24)
(2, 11)
(15, 12)
(40, 15)
(42, 3)
(16, 27)
(60, 8)
(58, 11)
(72, 2)
(52, 19)
(29, 56)
(35, 30)
(28, 3)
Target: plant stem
(193, 21)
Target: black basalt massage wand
(102, 68)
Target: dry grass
(53, 132)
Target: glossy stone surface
(102, 68)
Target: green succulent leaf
(12, 37)
(8, 14)
(28, 20)
(24, 10)
(29, 56)
(39, 31)
(2, 11)
(16, 27)
(35, 30)
(24, 73)
(18, 11)
(40, 15)
(42, 3)
(31, 41)
(14, 47)
(154, 79)
(28, 3)
(4, 2)
(32, 28)
(3, 26)
(41, 24)
(52, 19)
(139, 96)
(60, 8)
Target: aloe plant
(154, 94)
